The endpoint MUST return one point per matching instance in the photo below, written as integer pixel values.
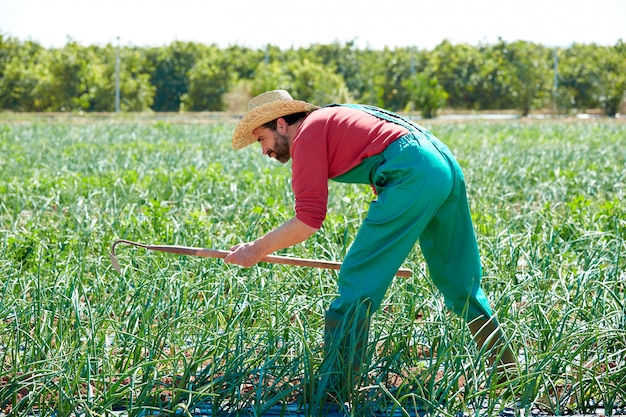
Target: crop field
(172, 334)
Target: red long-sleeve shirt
(328, 143)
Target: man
(421, 197)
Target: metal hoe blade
(116, 264)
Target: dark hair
(290, 119)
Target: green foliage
(136, 91)
(592, 76)
(170, 73)
(305, 80)
(194, 77)
(503, 76)
(391, 68)
(345, 60)
(457, 68)
(209, 80)
(529, 74)
(72, 78)
(426, 94)
(174, 332)
(19, 74)
(613, 79)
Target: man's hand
(288, 234)
(245, 254)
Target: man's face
(273, 144)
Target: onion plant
(174, 334)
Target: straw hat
(263, 109)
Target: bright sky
(286, 23)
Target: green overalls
(421, 197)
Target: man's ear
(281, 126)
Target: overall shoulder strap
(384, 115)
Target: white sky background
(287, 23)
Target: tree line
(187, 76)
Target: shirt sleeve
(309, 179)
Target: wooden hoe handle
(217, 253)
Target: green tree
(20, 75)
(530, 66)
(317, 84)
(578, 77)
(491, 87)
(592, 76)
(241, 62)
(344, 59)
(396, 68)
(199, 77)
(209, 80)
(305, 80)
(373, 90)
(170, 73)
(64, 87)
(136, 91)
(71, 78)
(97, 91)
(426, 94)
(383, 73)
(271, 76)
(612, 81)
(458, 69)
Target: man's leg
(412, 182)
(345, 351)
(489, 336)
(451, 252)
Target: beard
(281, 148)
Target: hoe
(217, 253)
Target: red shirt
(329, 142)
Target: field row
(172, 332)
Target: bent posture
(421, 197)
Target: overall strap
(383, 114)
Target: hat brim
(242, 136)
